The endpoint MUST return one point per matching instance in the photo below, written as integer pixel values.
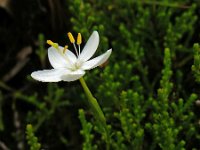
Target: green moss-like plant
(32, 140)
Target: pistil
(65, 48)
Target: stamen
(55, 45)
(79, 39)
(71, 38)
(65, 48)
(79, 50)
(75, 49)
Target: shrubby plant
(148, 90)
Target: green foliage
(135, 45)
(131, 116)
(46, 108)
(196, 66)
(41, 51)
(163, 126)
(31, 138)
(147, 90)
(183, 26)
(86, 132)
(85, 18)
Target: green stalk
(93, 103)
(96, 109)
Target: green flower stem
(96, 109)
(93, 103)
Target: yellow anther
(55, 45)
(50, 42)
(65, 48)
(79, 39)
(71, 38)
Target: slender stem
(96, 109)
(93, 103)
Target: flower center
(76, 65)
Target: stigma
(65, 48)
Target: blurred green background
(149, 89)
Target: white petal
(58, 59)
(90, 47)
(53, 75)
(72, 76)
(96, 61)
(69, 55)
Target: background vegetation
(149, 89)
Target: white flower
(70, 67)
